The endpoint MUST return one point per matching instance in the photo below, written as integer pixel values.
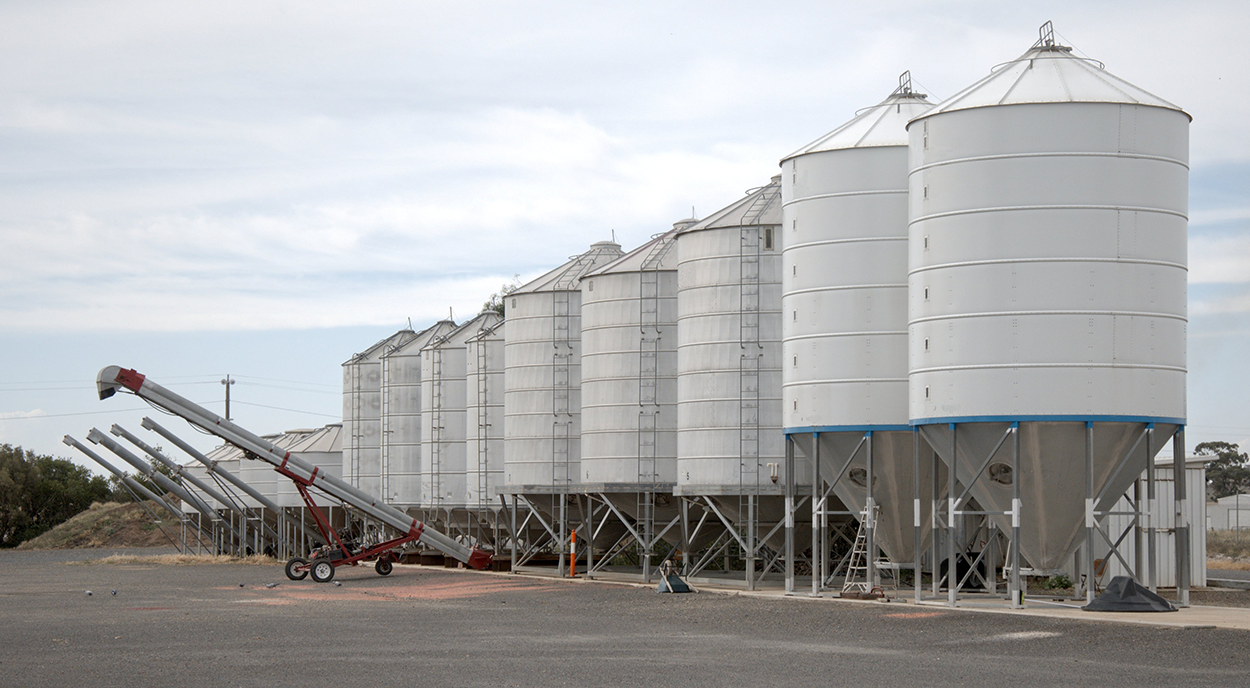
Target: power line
(291, 382)
(67, 415)
(280, 408)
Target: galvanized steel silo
(362, 413)
(629, 370)
(729, 425)
(484, 408)
(443, 415)
(845, 313)
(1048, 286)
(542, 376)
(401, 418)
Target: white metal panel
(1047, 279)
(542, 376)
(401, 417)
(1163, 515)
(323, 449)
(845, 274)
(629, 369)
(484, 444)
(362, 413)
(729, 420)
(443, 415)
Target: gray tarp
(1123, 594)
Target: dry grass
(177, 560)
(104, 525)
(1227, 564)
(1227, 550)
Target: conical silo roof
(470, 329)
(565, 277)
(375, 352)
(421, 339)
(760, 206)
(1049, 73)
(657, 254)
(884, 124)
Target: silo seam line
(973, 211)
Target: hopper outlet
(893, 483)
(1051, 475)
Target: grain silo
(730, 442)
(362, 413)
(484, 420)
(845, 317)
(542, 377)
(1047, 291)
(443, 417)
(401, 418)
(629, 384)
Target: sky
(262, 189)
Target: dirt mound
(105, 525)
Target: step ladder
(857, 574)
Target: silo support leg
(1091, 579)
(789, 515)
(1179, 500)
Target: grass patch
(105, 525)
(1223, 544)
(178, 560)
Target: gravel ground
(195, 626)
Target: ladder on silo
(353, 459)
(483, 423)
(648, 380)
(561, 370)
(386, 429)
(749, 361)
(436, 423)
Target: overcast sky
(264, 189)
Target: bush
(39, 492)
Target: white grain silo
(845, 315)
(362, 413)
(484, 420)
(542, 377)
(443, 416)
(730, 442)
(401, 418)
(1047, 289)
(629, 383)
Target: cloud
(1219, 259)
(34, 413)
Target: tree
(39, 492)
(496, 301)
(1229, 473)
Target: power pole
(228, 382)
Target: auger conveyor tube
(129, 481)
(186, 475)
(113, 378)
(149, 424)
(160, 479)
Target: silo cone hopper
(1052, 475)
(893, 485)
